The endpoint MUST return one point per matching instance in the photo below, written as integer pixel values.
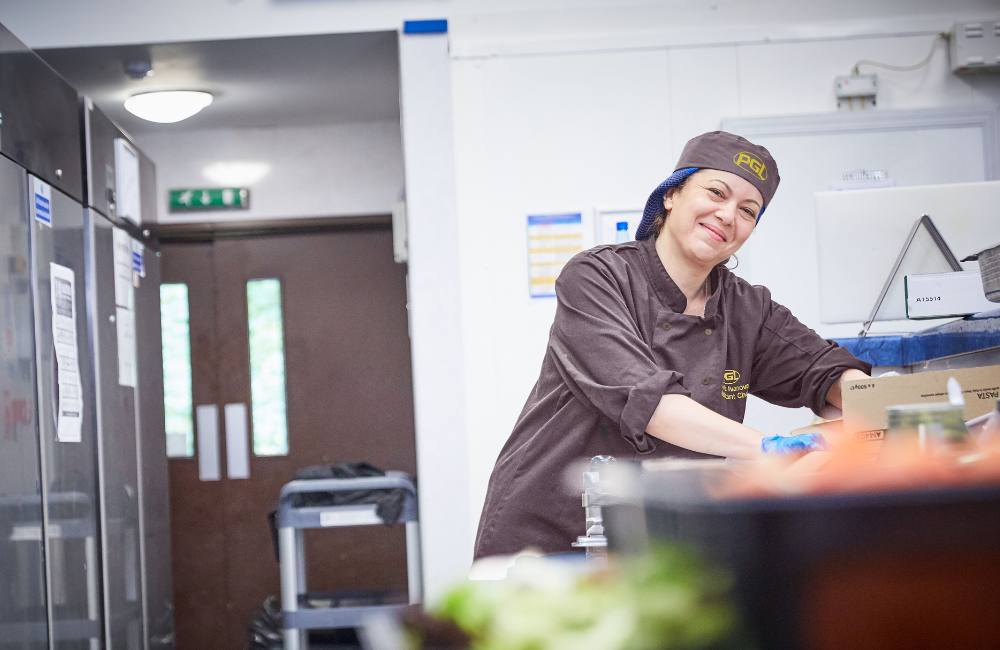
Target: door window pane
(174, 321)
(267, 368)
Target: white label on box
(940, 295)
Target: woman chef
(654, 349)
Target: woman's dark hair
(661, 214)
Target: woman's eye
(715, 191)
(748, 213)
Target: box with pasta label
(865, 400)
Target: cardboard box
(865, 400)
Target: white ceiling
(257, 82)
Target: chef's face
(711, 215)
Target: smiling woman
(655, 347)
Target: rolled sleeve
(793, 365)
(642, 401)
(600, 352)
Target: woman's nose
(727, 213)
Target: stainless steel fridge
(124, 321)
(55, 531)
(23, 620)
(158, 592)
(67, 440)
(84, 517)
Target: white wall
(349, 169)
(435, 311)
(562, 121)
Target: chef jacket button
(706, 381)
(708, 332)
(666, 327)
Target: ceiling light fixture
(167, 106)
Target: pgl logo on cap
(751, 163)
(730, 377)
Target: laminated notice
(122, 257)
(69, 416)
(125, 326)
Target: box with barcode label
(865, 400)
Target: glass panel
(174, 320)
(267, 368)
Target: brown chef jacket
(620, 340)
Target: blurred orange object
(892, 465)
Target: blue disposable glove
(794, 445)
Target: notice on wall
(138, 260)
(125, 325)
(69, 416)
(552, 241)
(127, 179)
(122, 247)
(41, 201)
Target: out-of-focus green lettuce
(665, 598)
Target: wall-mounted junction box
(975, 47)
(856, 92)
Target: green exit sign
(225, 198)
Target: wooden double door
(349, 398)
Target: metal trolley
(298, 615)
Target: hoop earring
(733, 268)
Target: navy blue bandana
(655, 201)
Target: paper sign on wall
(69, 416)
(41, 201)
(122, 247)
(552, 241)
(127, 180)
(138, 258)
(125, 326)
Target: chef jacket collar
(667, 290)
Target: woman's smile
(715, 233)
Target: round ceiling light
(167, 106)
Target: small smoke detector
(856, 91)
(138, 69)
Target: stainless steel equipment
(154, 497)
(989, 267)
(65, 389)
(82, 452)
(23, 621)
(595, 491)
(40, 133)
(131, 441)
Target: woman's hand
(799, 445)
